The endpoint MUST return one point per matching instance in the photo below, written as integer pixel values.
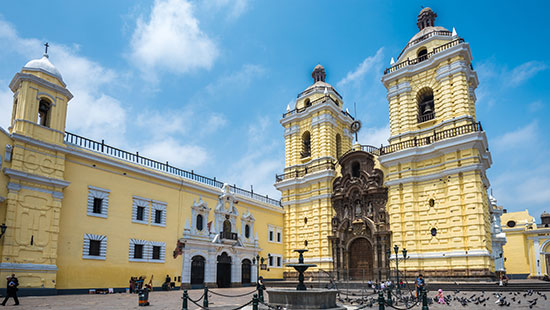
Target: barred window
(98, 201)
(94, 247)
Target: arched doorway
(197, 271)
(360, 259)
(223, 275)
(246, 271)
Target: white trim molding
(140, 202)
(158, 206)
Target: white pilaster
(537, 256)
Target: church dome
(43, 64)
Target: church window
(434, 232)
(95, 247)
(431, 202)
(279, 261)
(338, 145)
(156, 252)
(425, 99)
(159, 209)
(140, 211)
(355, 169)
(43, 112)
(199, 222)
(307, 103)
(305, 220)
(305, 243)
(270, 259)
(247, 231)
(98, 201)
(306, 145)
(271, 235)
(422, 54)
(138, 251)
(278, 236)
(511, 224)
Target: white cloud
(374, 136)
(233, 8)
(177, 154)
(525, 71)
(535, 106)
(518, 138)
(370, 64)
(237, 80)
(171, 40)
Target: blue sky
(203, 84)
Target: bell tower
(316, 134)
(36, 175)
(437, 157)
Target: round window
(434, 231)
(511, 224)
(247, 231)
(305, 243)
(431, 202)
(305, 220)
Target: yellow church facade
(81, 214)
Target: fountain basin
(310, 299)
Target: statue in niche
(369, 209)
(358, 208)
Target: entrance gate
(223, 273)
(197, 271)
(360, 260)
(246, 269)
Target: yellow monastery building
(527, 252)
(81, 214)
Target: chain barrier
(270, 306)
(231, 296)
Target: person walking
(12, 284)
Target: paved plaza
(172, 300)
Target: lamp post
(396, 250)
(3, 228)
(404, 261)
(388, 254)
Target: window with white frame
(94, 247)
(98, 201)
(146, 251)
(158, 214)
(274, 234)
(275, 261)
(140, 210)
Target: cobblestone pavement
(172, 300)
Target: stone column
(185, 269)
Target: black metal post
(424, 299)
(205, 300)
(184, 304)
(389, 296)
(396, 250)
(381, 301)
(255, 302)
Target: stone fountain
(301, 297)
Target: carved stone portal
(360, 226)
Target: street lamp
(388, 254)
(3, 228)
(404, 261)
(396, 250)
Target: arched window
(425, 99)
(44, 112)
(227, 226)
(199, 222)
(306, 145)
(307, 103)
(422, 54)
(338, 146)
(355, 169)
(247, 231)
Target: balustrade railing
(228, 235)
(424, 57)
(388, 149)
(426, 117)
(426, 36)
(101, 147)
(301, 172)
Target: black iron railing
(300, 110)
(426, 117)
(424, 37)
(414, 61)
(436, 136)
(309, 91)
(300, 172)
(228, 235)
(388, 149)
(101, 147)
